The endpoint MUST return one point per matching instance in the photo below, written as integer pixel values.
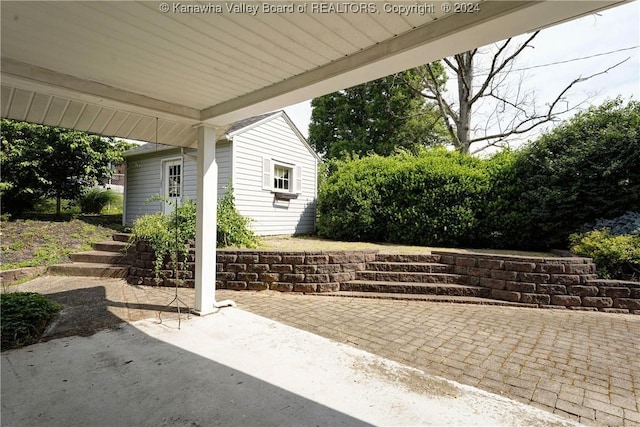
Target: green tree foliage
(375, 117)
(431, 198)
(41, 161)
(585, 169)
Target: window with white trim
(280, 177)
(173, 184)
(171, 174)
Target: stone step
(100, 257)
(406, 267)
(407, 258)
(88, 269)
(412, 277)
(611, 283)
(424, 297)
(110, 246)
(121, 237)
(448, 289)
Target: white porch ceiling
(112, 68)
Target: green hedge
(432, 198)
(585, 169)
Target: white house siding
(144, 178)
(225, 166)
(143, 181)
(273, 139)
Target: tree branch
(495, 70)
(580, 80)
(450, 65)
(537, 119)
(445, 109)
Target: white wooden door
(172, 184)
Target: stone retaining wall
(142, 270)
(316, 271)
(289, 271)
(563, 282)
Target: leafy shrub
(168, 238)
(499, 215)
(617, 257)
(585, 169)
(349, 200)
(24, 317)
(94, 200)
(233, 229)
(154, 228)
(168, 235)
(431, 198)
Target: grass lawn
(43, 239)
(302, 243)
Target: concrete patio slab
(233, 368)
(579, 365)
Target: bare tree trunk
(58, 205)
(465, 88)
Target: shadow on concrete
(87, 311)
(123, 376)
(229, 368)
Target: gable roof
(241, 124)
(235, 128)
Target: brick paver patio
(581, 365)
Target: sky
(595, 36)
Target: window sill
(284, 196)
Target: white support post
(206, 214)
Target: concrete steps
(100, 257)
(407, 258)
(107, 259)
(89, 269)
(121, 237)
(392, 276)
(111, 246)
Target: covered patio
(180, 73)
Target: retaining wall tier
(553, 282)
(314, 271)
(545, 282)
(310, 271)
